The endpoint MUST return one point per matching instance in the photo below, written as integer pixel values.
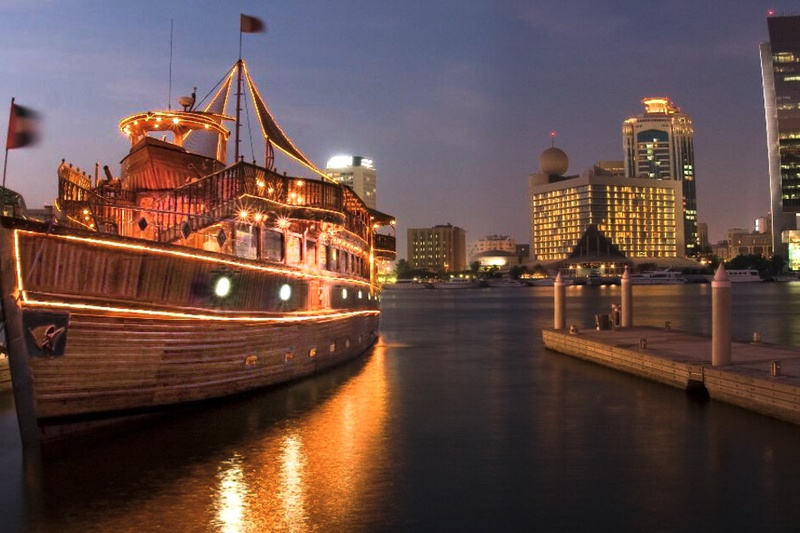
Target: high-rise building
(640, 216)
(356, 172)
(440, 248)
(780, 74)
(659, 144)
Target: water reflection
(317, 460)
(231, 504)
(458, 421)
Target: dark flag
(23, 127)
(250, 24)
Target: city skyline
(452, 102)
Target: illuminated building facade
(356, 172)
(641, 216)
(501, 243)
(440, 248)
(659, 145)
(780, 71)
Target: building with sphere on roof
(641, 217)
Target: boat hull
(104, 327)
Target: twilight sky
(453, 100)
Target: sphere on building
(553, 162)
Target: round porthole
(285, 292)
(222, 287)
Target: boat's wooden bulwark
(5, 374)
(118, 364)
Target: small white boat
(743, 276)
(658, 277)
(406, 285)
(504, 282)
(548, 282)
(456, 283)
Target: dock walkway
(762, 377)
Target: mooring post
(560, 303)
(720, 318)
(626, 320)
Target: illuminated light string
(295, 317)
(175, 253)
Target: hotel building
(641, 216)
(780, 72)
(356, 172)
(659, 145)
(440, 248)
(499, 243)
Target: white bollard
(560, 303)
(720, 318)
(626, 318)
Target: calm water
(458, 420)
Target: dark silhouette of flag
(250, 24)
(23, 127)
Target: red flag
(23, 127)
(250, 24)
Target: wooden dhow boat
(184, 278)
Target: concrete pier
(760, 377)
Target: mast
(238, 102)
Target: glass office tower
(659, 144)
(780, 70)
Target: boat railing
(207, 200)
(385, 246)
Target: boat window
(333, 259)
(246, 241)
(293, 250)
(322, 256)
(272, 245)
(311, 253)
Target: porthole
(285, 292)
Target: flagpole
(5, 159)
(238, 97)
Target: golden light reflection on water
(232, 496)
(319, 462)
(314, 470)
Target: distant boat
(658, 277)
(548, 282)
(743, 276)
(406, 285)
(500, 283)
(596, 279)
(456, 283)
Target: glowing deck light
(285, 292)
(344, 294)
(222, 287)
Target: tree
(401, 268)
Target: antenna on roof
(553, 138)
